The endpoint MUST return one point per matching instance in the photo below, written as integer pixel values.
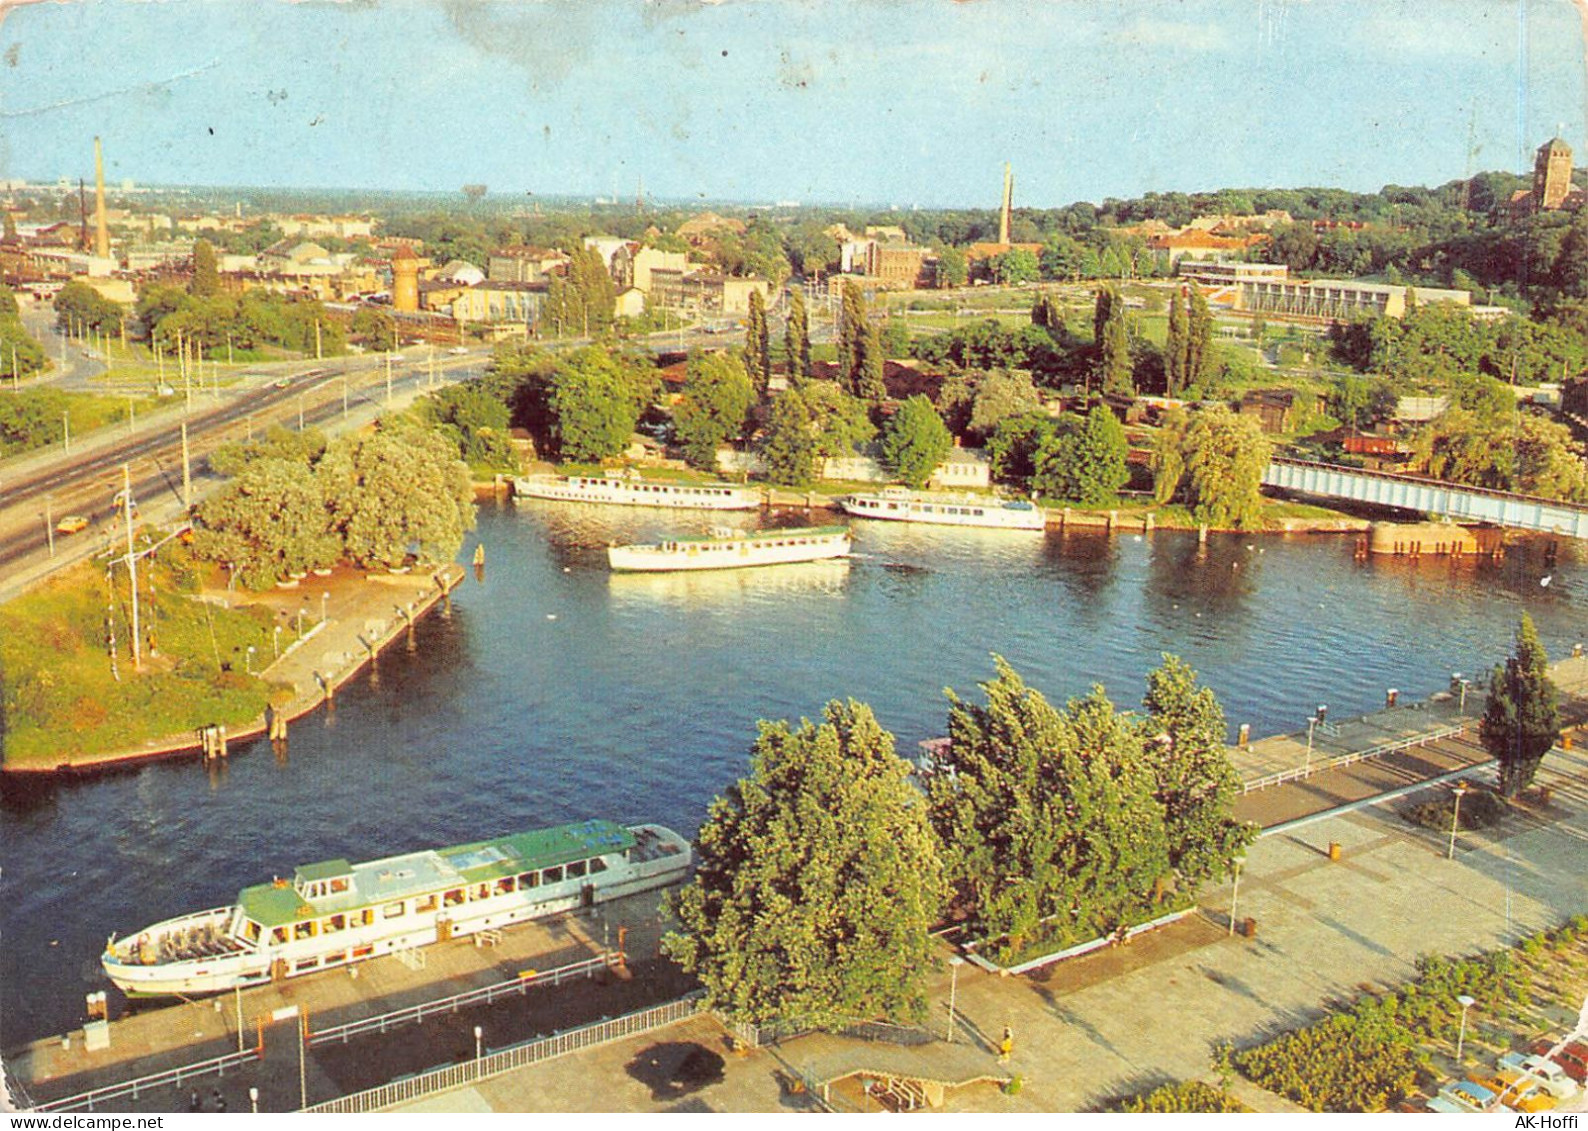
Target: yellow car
(71, 524)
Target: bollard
(1113, 520)
(1334, 850)
(1202, 536)
(1147, 524)
(1245, 739)
(1390, 696)
(1576, 651)
(1064, 518)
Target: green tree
(595, 402)
(869, 383)
(376, 327)
(1521, 719)
(396, 491)
(1047, 818)
(206, 281)
(1085, 463)
(1017, 265)
(1014, 444)
(839, 422)
(476, 420)
(10, 232)
(718, 395)
(1175, 347)
(1003, 394)
(797, 338)
(79, 308)
(757, 344)
(1198, 338)
(269, 521)
(953, 270)
(787, 445)
(1213, 460)
(817, 881)
(1185, 752)
(914, 441)
(851, 334)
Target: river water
(558, 691)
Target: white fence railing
(1339, 760)
(584, 968)
(171, 1076)
(506, 1060)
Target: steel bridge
(1453, 501)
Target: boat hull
(727, 554)
(630, 493)
(988, 516)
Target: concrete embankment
(327, 630)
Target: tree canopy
(1521, 719)
(914, 441)
(1083, 461)
(718, 396)
(1213, 460)
(595, 400)
(817, 881)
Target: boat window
(453, 897)
(306, 964)
(362, 918)
(597, 865)
(482, 891)
(251, 930)
(393, 910)
(504, 885)
(303, 930)
(528, 880)
(576, 869)
(551, 876)
(424, 903)
(363, 951)
(333, 924)
(334, 958)
(339, 884)
(279, 935)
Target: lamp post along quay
(1461, 1036)
(1455, 818)
(953, 987)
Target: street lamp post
(1306, 768)
(1455, 819)
(1461, 1036)
(248, 660)
(275, 643)
(953, 989)
(324, 599)
(253, 1100)
(479, 1047)
(1235, 895)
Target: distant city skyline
(824, 102)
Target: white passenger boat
(636, 492)
(900, 505)
(733, 549)
(335, 913)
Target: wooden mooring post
(212, 741)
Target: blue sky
(845, 101)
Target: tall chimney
(1009, 198)
(102, 229)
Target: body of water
(558, 691)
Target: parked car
(1573, 1059)
(1463, 1096)
(1551, 1077)
(459, 349)
(71, 524)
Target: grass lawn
(61, 697)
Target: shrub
(1189, 1096)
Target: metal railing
(1321, 764)
(217, 1065)
(485, 995)
(509, 1059)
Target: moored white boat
(899, 505)
(335, 913)
(636, 492)
(733, 549)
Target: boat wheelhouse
(636, 492)
(733, 549)
(900, 505)
(335, 913)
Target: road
(38, 489)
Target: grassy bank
(61, 697)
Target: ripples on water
(559, 691)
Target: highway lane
(87, 486)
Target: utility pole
(388, 380)
(132, 564)
(187, 475)
(66, 431)
(49, 525)
(317, 355)
(344, 396)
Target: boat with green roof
(335, 913)
(732, 549)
